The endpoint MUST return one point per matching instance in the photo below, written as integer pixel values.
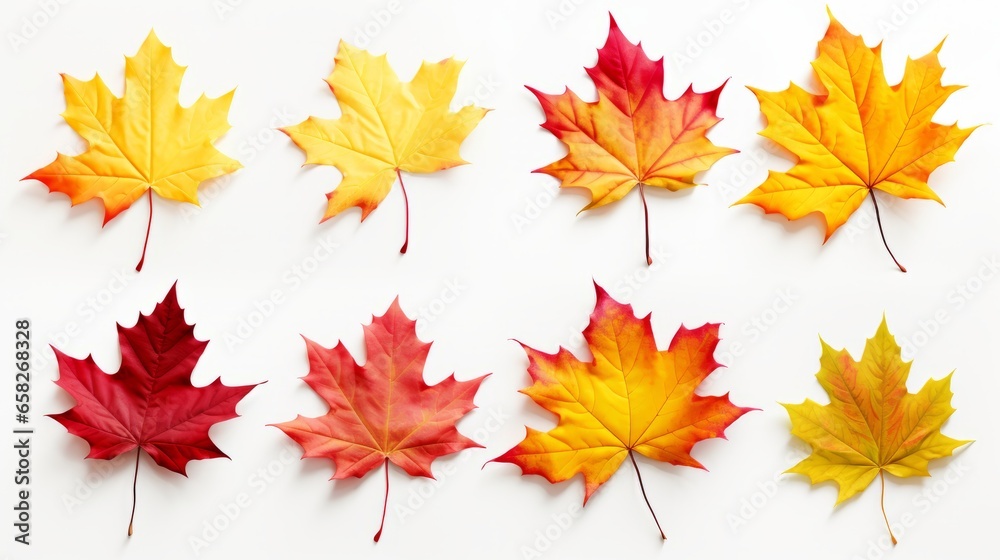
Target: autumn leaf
(632, 135)
(382, 412)
(150, 403)
(872, 425)
(385, 127)
(142, 142)
(858, 135)
(629, 398)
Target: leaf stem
(643, 488)
(135, 479)
(406, 207)
(878, 218)
(385, 504)
(881, 474)
(149, 225)
(645, 215)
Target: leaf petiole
(385, 504)
(645, 215)
(878, 219)
(406, 209)
(881, 475)
(135, 479)
(149, 225)
(643, 489)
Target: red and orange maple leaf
(632, 135)
(382, 412)
(629, 398)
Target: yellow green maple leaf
(873, 424)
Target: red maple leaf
(150, 402)
(382, 411)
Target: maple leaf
(857, 136)
(632, 135)
(872, 425)
(382, 412)
(629, 398)
(150, 403)
(385, 127)
(141, 142)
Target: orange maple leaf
(632, 135)
(857, 135)
(629, 398)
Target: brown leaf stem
(878, 218)
(135, 479)
(643, 489)
(645, 215)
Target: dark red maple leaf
(150, 402)
(382, 412)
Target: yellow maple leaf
(629, 398)
(872, 425)
(857, 135)
(386, 127)
(142, 141)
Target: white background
(532, 283)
